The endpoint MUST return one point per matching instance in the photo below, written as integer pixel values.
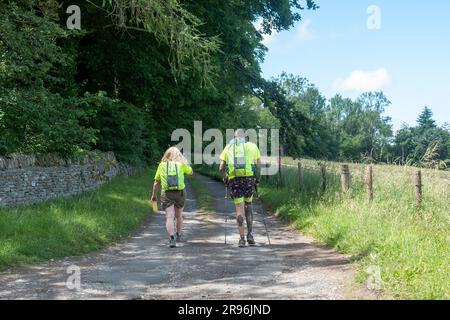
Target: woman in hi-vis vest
(170, 176)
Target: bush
(122, 128)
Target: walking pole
(265, 226)
(226, 214)
(263, 215)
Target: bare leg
(249, 217)
(179, 217)
(170, 214)
(240, 214)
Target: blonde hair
(173, 154)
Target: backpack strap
(167, 168)
(234, 158)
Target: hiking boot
(180, 238)
(242, 243)
(172, 243)
(250, 240)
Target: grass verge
(74, 226)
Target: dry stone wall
(26, 179)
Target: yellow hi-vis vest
(238, 160)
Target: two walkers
(239, 165)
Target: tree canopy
(138, 69)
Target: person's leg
(238, 199)
(249, 189)
(170, 215)
(179, 205)
(240, 213)
(179, 218)
(248, 207)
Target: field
(409, 249)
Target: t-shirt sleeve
(254, 152)
(257, 153)
(187, 169)
(158, 173)
(223, 155)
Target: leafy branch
(171, 25)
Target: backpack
(172, 180)
(239, 161)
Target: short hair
(239, 133)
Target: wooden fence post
(280, 176)
(369, 179)
(300, 176)
(419, 190)
(345, 178)
(324, 177)
(264, 177)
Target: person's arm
(258, 164)
(187, 169)
(222, 167)
(156, 185)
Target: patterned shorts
(242, 189)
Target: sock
(172, 237)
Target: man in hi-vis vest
(239, 161)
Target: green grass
(413, 253)
(204, 198)
(76, 225)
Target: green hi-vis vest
(239, 162)
(172, 176)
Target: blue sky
(408, 58)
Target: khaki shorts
(173, 197)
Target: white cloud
(364, 81)
(267, 38)
(303, 31)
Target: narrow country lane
(202, 267)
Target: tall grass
(76, 225)
(412, 252)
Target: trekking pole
(265, 226)
(226, 214)
(263, 215)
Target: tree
(38, 112)
(138, 70)
(362, 130)
(310, 105)
(424, 144)
(425, 120)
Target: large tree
(140, 64)
(137, 70)
(362, 130)
(39, 112)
